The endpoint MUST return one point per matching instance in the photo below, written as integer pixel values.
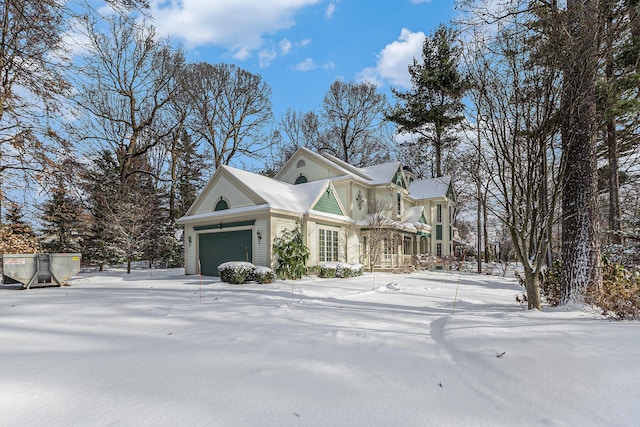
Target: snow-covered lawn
(160, 348)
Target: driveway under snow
(159, 348)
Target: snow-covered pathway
(160, 348)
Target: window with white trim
(439, 249)
(438, 212)
(327, 245)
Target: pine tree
(63, 222)
(432, 108)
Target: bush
(327, 270)
(550, 284)
(291, 254)
(619, 297)
(262, 275)
(340, 270)
(235, 272)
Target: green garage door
(216, 248)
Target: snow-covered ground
(159, 348)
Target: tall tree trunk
(614, 183)
(532, 285)
(580, 245)
(485, 214)
(612, 139)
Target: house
(337, 206)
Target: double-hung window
(327, 245)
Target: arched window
(301, 179)
(301, 163)
(221, 205)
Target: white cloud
(238, 26)
(265, 56)
(285, 46)
(394, 60)
(330, 10)
(306, 65)
(329, 65)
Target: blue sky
(301, 46)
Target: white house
(239, 214)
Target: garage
(216, 248)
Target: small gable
(422, 219)
(328, 203)
(450, 194)
(399, 180)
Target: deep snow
(160, 348)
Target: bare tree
(230, 108)
(32, 66)
(378, 228)
(126, 79)
(519, 101)
(352, 125)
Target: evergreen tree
(63, 222)
(432, 109)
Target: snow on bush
(239, 272)
(236, 272)
(262, 275)
(340, 269)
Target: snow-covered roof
(430, 188)
(382, 173)
(278, 194)
(413, 214)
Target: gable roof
(278, 194)
(430, 188)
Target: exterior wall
(447, 231)
(190, 253)
(358, 210)
(353, 254)
(384, 196)
(262, 247)
(223, 188)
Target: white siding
(312, 170)
(358, 212)
(353, 247)
(190, 263)
(261, 246)
(229, 192)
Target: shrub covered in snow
(262, 275)
(236, 272)
(340, 270)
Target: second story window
(399, 203)
(438, 212)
